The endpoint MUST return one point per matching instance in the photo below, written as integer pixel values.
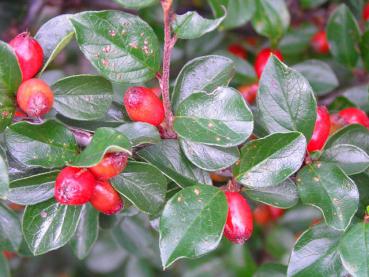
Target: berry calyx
(321, 130)
(111, 165)
(143, 105)
(239, 224)
(366, 12)
(319, 42)
(29, 54)
(354, 115)
(106, 199)
(237, 50)
(74, 186)
(249, 92)
(35, 97)
(263, 57)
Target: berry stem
(169, 43)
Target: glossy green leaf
(271, 18)
(201, 74)
(82, 97)
(327, 187)
(364, 49)
(221, 118)
(33, 189)
(319, 74)
(140, 133)
(285, 99)
(5, 271)
(121, 46)
(10, 229)
(238, 11)
(192, 25)
(351, 159)
(311, 4)
(136, 4)
(4, 176)
(340, 103)
(49, 144)
(10, 74)
(210, 158)
(143, 185)
(283, 195)
(269, 269)
(86, 233)
(343, 34)
(316, 254)
(49, 225)
(54, 36)
(359, 96)
(269, 161)
(7, 110)
(192, 223)
(362, 180)
(169, 159)
(354, 250)
(297, 39)
(104, 140)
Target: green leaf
(269, 161)
(283, 195)
(140, 133)
(270, 269)
(297, 40)
(121, 46)
(192, 25)
(10, 229)
(316, 254)
(221, 118)
(86, 233)
(340, 103)
(364, 49)
(49, 225)
(354, 250)
(4, 177)
(285, 100)
(168, 158)
(49, 144)
(83, 97)
(192, 223)
(143, 185)
(362, 180)
(7, 110)
(343, 34)
(202, 74)
(351, 159)
(354, 134)
(359, 96)
(104, 140)
(54, 36)
(10, 73)
(327, 187)
(271, 19)
(5, 271)
(33, 189)
(319, 74)
(238, 11)
(279, 243)
(210, 158)
(311, 4)
(136, 4)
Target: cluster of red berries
(77, 186)
(34, 96)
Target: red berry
(275, 212)
(262, 59)
(354, 115)
(237, 50)
(111, 165)
(105, 198)
(262, 215)
(9, 255)
(35, 97)
(29, 53)
(239, 225)
(143, 105)
(74, 186)
(366, 12)
(321, 130)
(249, 92)
(320, 43)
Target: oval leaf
(192, 223)
(10, 74)
(221, 118)
(271, 160)
(49, 144)
(49, 225)
(4, 176)
(10, 229)
(7, 110)
(121, 46)
(140, 133)
(83, 97)
(286, 100)
(326, 186)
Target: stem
(169, 43)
